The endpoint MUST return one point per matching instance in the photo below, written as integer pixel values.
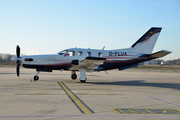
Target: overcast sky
(49, 26)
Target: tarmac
(133, 94)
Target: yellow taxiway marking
(79, 104)
(146, 111)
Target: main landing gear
(82, 77)
(73, 75)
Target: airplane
(91, 60)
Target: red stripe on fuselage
(57, 64)
(122, 57)
(109, 61)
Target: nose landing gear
(36, 77)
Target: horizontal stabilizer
(159, 54)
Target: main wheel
(36, 77)
(83, 81)
(73, 76)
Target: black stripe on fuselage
(47, 67)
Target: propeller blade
(17, 68)
(18, 51)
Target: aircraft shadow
(32, 73)
(139, 83)
(14, 73)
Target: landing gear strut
(83, 75)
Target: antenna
(103, 47)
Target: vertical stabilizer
(147, 42)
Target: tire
(74, 76)
(36, 77)
(83, 81)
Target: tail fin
(147, 42)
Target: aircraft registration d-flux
(90, 60)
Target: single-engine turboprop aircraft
(90, 60)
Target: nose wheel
(36, 77)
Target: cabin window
(88, 53)
(99, 54)
(80, 53)
(70, 53)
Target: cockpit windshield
(63, 52)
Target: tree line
(173, 62)
(6, 58)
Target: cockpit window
(63, 52)
(70, 53)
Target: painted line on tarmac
(164, 101)
(89, 116)
(150, 111)
(83, 108)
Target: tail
(147, 42)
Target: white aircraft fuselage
(62, 60)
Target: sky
(50, 26)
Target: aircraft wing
(159, 54)
(89, 63)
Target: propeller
(18, 61)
